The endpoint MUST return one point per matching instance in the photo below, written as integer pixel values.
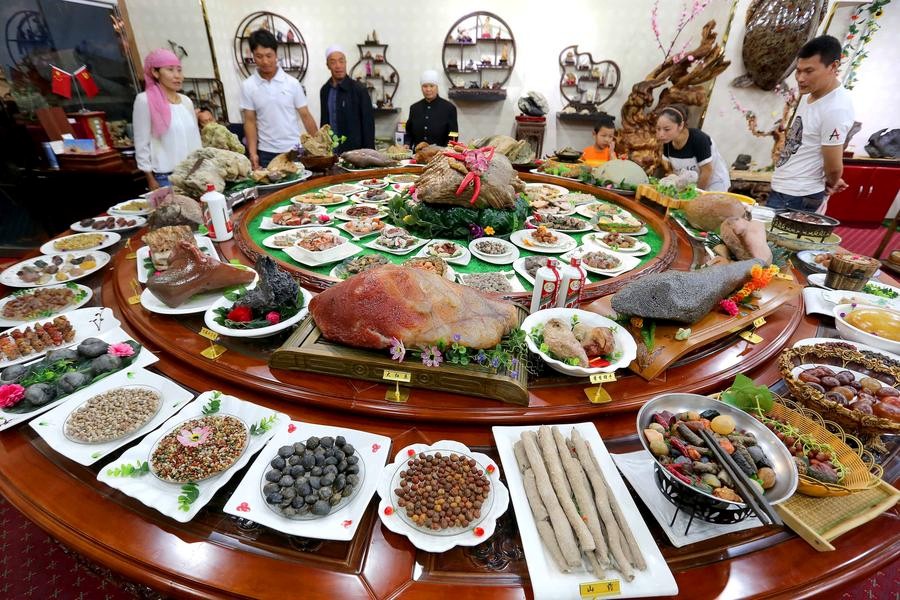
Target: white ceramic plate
(523, 239)
(339, 199)
(373, 183)
(808, 257)
(144, 358)
(534, 186)
(195, 304)
(247, 501)
(344, 189)
(268, 224)
(443, 540)
(10, 279)
(514, 282)
(506, 258)
(547, 581)
(461, 258)
(598, 239)
(359, 236)
(857, 345)
(79, 290)
(51, 426)
(208, 318)
(627, 262)
(539, 172)
(143, 256)
(399, 177)
(86, 322)
(162, 495)
(531, 222)
(625, 344)
(341, 213)
(293, 234)
(118, 211)
(398, 251)
(411, 162)
(818, 279)
(360, 198)
(110, 238)
(325, 257)
(304, 175)
(138, 222)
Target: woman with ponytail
(165, 126)
(689, 149)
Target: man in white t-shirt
(811, 162)
(272, 103)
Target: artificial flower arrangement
(759, 278)
(504, 358)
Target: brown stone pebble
(441, 491)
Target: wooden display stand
(494, 52)
(532, 130)
(586, 84)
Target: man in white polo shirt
(272, 103)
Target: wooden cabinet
(868, 198)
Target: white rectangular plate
(547, 580)
(510, 275)
(247, 501)
(162, 495)
(51, 425)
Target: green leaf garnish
(128, 469)
(264, 425)
(747, 396)
(189, 494)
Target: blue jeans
(265, 158)
(808, 202)
(162, 179)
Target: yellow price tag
(787, 276)
(134, 300)
(603, 377)
(751, 337)
(131, 256)
(214, 351)
(599, 589)
(208, 334)
(398, 376)
(759, 322)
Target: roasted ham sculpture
(190, 272)
(414, 306)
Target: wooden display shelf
(578, 117)
(477, 95)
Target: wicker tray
(821, 520)
(863, 472)
(869, 426)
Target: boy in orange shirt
(603, 148)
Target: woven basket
(868, 426)
(862, 472)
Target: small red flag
(60, 82)
(86, 80)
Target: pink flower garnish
(194, 437)
(410, 452)
(243, 507)
(479, 531)
(346, 524)
(121, 350)
(729, 306)
(398, 350)
(376, 448)
(273, 318)
(292, 428)
(11, 394)
(324, 218)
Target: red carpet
(865, 239)
(34, 566)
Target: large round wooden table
(216, 555)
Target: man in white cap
(432, 119)
(346, 104)
(272, 103)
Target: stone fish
(775, 31)
(682, 296)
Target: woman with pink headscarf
(165, 126)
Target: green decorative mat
(475, 265)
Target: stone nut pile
(112, 415)
(312, 478)
(441, 491)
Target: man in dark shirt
(346, 104)
(432, 119)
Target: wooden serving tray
(714, 326)
(307, 350)
(648, 192)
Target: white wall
(415, 29)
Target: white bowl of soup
(871, 325)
